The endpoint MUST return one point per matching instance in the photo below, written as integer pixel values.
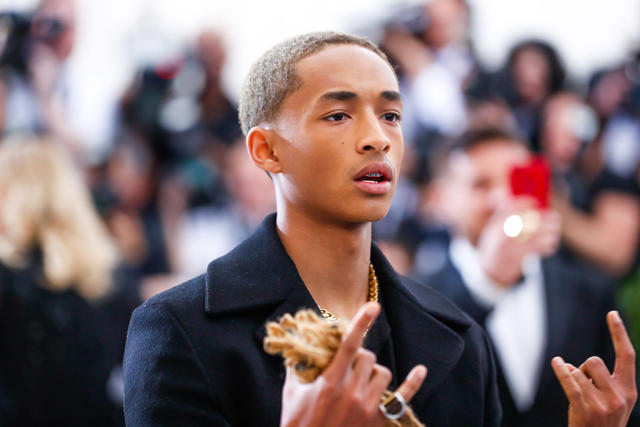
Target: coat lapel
(425, 327)
(560, 312)
(298, 299)
(258, 274)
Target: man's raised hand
(597, 398)
(348, 392)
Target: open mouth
(374, 177)
(375, 173)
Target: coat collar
(259, 273)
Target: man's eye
(337, 117)
(391, 117)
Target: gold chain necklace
(372, 293)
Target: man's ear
(260, 143)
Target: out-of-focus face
(531, 74)
(338, 137)
(558, 138)
(609, 92)
(212, 54)
(54, 26)
(249, 186)
(447, 22)
(130, 178)
(476, 183)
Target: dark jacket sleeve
(163, 376)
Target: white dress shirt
(516, 323)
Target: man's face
(531, 73)
(477, 183)
(338, 137)
(447, 22)
(559, 139)
(54, 25)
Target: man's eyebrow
(340, 95)
(344, 95)
(391, 95)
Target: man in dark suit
(321, 115)
(533, 305)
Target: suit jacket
(194, 353)
(576, 306)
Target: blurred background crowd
(86, 237)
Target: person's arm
(596, 397)
(609, 236)
(45, 70)
(435, 93)
(163, 379)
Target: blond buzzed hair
(273, 76)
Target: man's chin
(358, 214)
(374, 214)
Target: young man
(321, 115)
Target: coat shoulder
(181, 298)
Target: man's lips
(375, 172)
(375, 178)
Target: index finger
(352, 339)
(625, 367)
(413, 382)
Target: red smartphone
(532, 179)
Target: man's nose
(371, 136)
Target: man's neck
(332, 260)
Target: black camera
(15, 32)
(412, 19)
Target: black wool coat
(194, 353)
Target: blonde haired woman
(58, 334)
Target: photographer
(429, 46)
(32, 72)
(600, 209)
